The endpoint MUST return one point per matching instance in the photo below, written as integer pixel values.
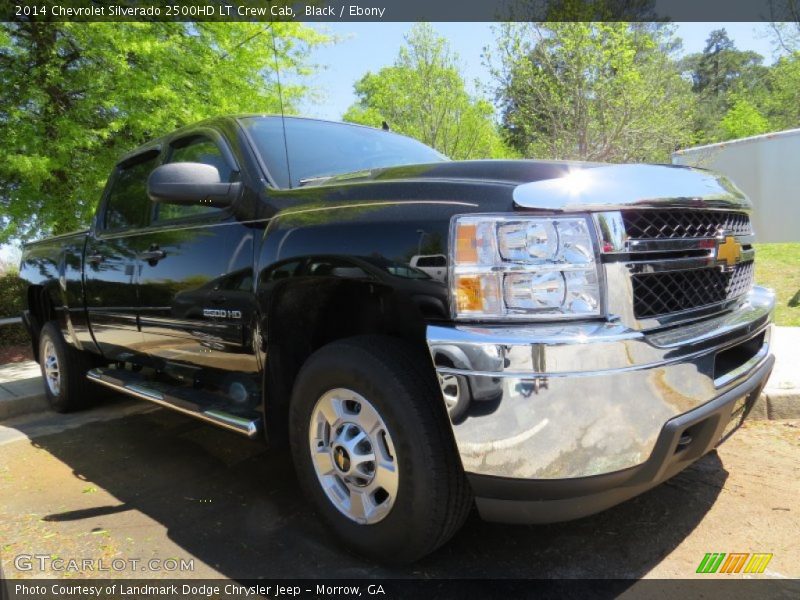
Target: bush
(12, 294)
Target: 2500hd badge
(591, 329)
(222, 314)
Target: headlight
(524, 267)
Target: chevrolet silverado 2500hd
(596, 331)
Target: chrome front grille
(656, 294)
(666, 266)
(683, 224)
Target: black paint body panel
(243, 296)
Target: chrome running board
(199, 404)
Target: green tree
(721, 74)
(75, 96)
(424, 95)
(780, 101)
(720, 66)
(773, 105)
(591, 91)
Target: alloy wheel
(353, 456)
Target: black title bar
(392, 589)
(400, 10)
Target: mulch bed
(15, 354)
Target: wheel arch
(40, 310)
(305, 315)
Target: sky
(370, 46)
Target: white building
(767, 168)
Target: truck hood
(572, 185)
(613, 187)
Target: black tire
(74, 391)
(433, 496)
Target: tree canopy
(76, 96)
(779, 98)
(723, 77)
(591, 91)
(737, 95)
(423, 95)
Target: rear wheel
(372, 447)
(64, 371)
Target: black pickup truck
(593, 328)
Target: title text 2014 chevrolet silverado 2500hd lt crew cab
(597, 331)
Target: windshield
(322, 148)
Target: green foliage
(616, 92)
(76, 96)
(759, 102)
(780, 100)
(743, 119)
(591, 91)
(12, 293)
(424, 95)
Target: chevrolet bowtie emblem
(342, 459)
(729, 251)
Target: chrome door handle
(95, 259)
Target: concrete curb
(22, 405)
(21, 390)
(781, 404)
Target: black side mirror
(190, 183)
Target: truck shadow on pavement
(235, 506)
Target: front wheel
(372, 447)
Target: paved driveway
(128, 481)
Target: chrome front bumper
(575, 400)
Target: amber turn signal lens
(468, 294)
(466, 243)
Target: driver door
(188, 312)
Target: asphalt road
(127, 481)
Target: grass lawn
(778, 267)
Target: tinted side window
(198, 150)
(128, 205)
